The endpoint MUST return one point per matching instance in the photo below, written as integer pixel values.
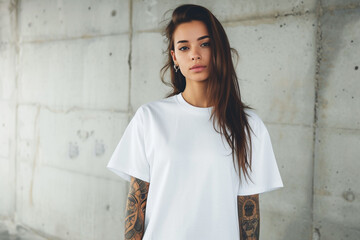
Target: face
(192, 47)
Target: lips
(197, 66)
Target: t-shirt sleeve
(265, 173)
(129, 158)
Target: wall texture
(72, 73)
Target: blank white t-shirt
(193, 183)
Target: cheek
(181, 59)
(208, 55)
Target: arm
(135, 209)
(249, 217)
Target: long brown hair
(222, 89)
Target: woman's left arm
(249, 217)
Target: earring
(176, 68)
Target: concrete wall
(72, 73)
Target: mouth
(197, 68)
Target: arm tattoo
(135, 209)
(249, 217)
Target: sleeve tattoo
(249, 217)
(135, 209)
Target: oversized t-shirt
(193, 183)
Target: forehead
(190, 31)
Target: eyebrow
(182, 41)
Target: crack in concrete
(37, 138)
(130, 109)
(319, 14)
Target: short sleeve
(265, 174)
(129, 157)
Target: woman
(183, 167)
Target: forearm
(249, 217)
(135, 209)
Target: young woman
(197, 159)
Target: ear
(174, 57)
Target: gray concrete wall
(72, 73)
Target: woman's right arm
(135, 209)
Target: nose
(195, 55)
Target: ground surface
(20, 233)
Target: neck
(196, 97)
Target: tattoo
(135, 209)
(249, 217)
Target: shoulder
(255, 122)
(156, 107)
(253, 117)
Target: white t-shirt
(193, 183)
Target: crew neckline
(190, 107)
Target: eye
(181, 48)
(205, 44)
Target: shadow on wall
(332, 41)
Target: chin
(199, 78)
